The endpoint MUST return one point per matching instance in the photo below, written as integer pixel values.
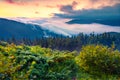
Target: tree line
(70, 43)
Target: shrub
(99, 59)
(35, 63)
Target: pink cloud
(10, 1)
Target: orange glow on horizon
(46, 8)
(9, 10)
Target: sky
(47, 8)
(66, 15)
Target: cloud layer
(107, 15)
(107, 12)
(59, 25)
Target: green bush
(36, 63)
(99, 59)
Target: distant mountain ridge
(11, 28)
(111, 22)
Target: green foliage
(36, 63)
(99, 60)
(83, 75)
(33, 62)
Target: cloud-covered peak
(59, 25)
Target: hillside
(11, 28)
